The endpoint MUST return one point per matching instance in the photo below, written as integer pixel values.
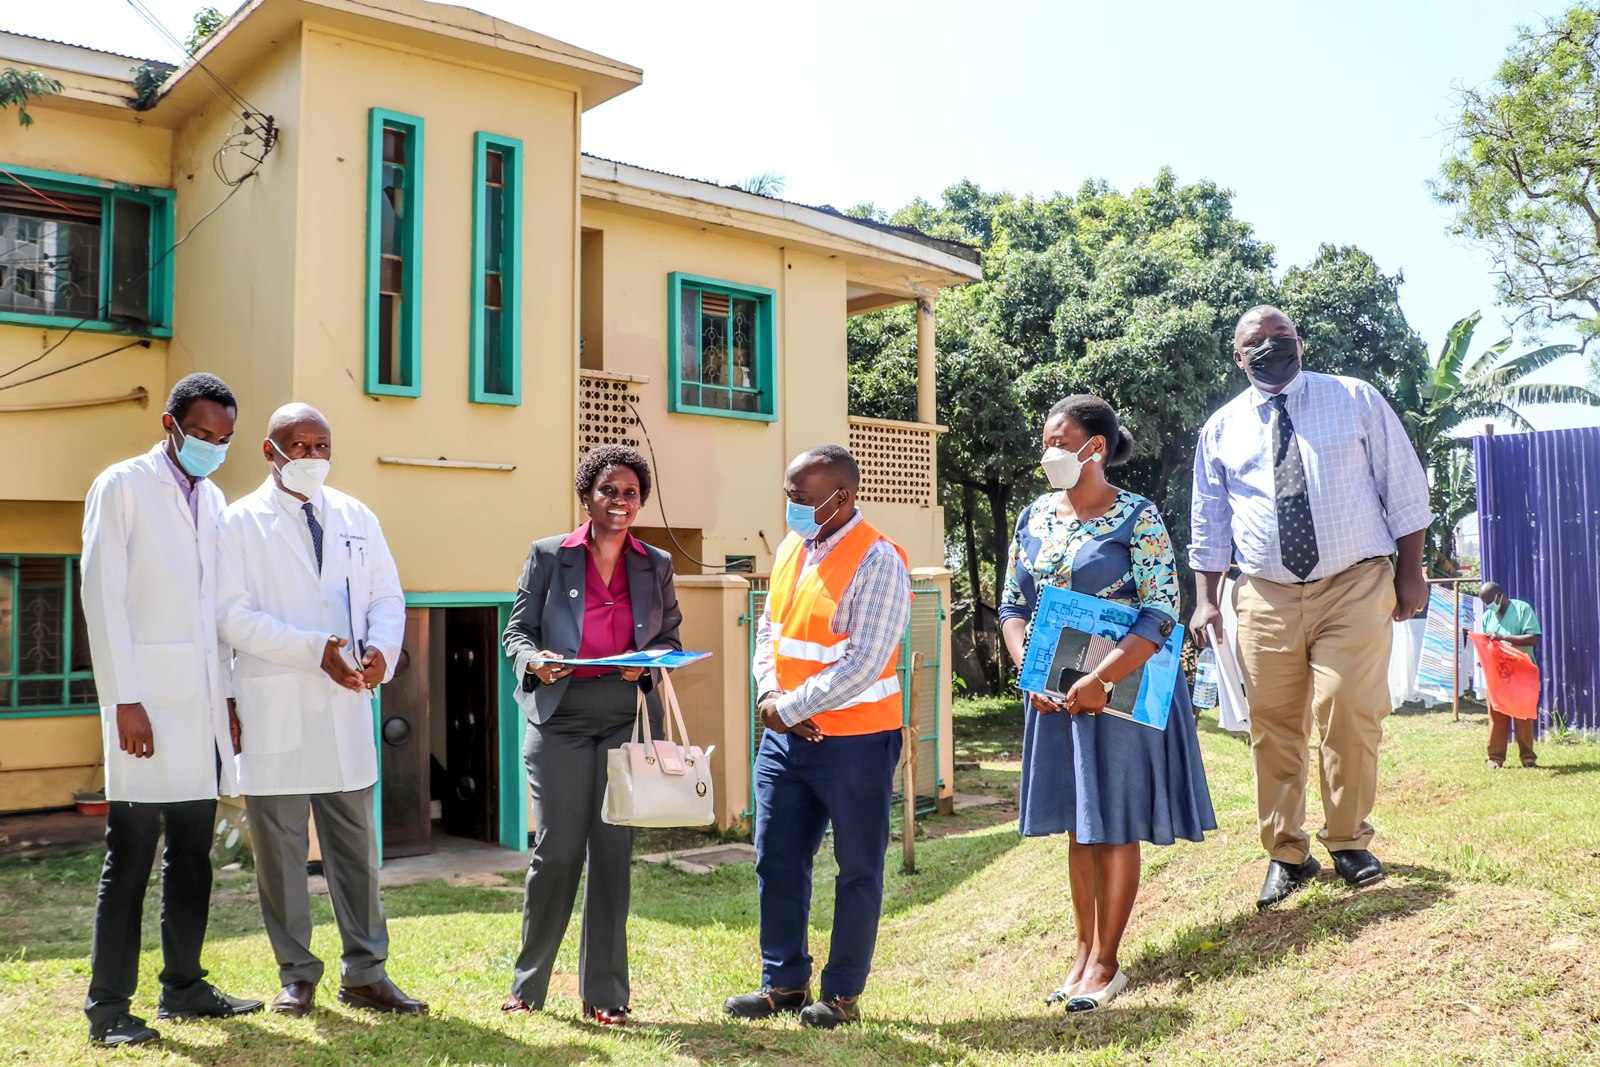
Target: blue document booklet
(665, 658)
(1074, 632)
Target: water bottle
(1205, 680)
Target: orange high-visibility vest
(802, 603)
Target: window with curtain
(394, 250)
(495, 341)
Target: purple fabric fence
(1539, 520)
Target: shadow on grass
(333, 1038)
(1033, 1030)
(1255, 941)
(1569, 768)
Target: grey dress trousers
(572, 725)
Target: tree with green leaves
(1456, 391)
(1132, 296)
(17, 86)
(1523, 173)
(206, 22)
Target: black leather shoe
(767, 1002)
(831, 1012)
(1284, 879)
(207, 1002)
(1358, 867)
(125, 1029)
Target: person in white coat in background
(149, 602)
(310, 602)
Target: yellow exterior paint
(269, 295)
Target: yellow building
(385, 212)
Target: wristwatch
(1109, 685)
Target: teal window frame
(159, 279)
(71, 583)
(765, 362)
(510, 150)
(410, 339)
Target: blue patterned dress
(1105, 779)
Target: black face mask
(1273, 362)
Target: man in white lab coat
(149, 602)
(311, 604)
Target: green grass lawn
(1479, 949)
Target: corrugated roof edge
(953, 248)
(89, 48)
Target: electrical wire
(70, 366)
(156, 24)
(738, 566)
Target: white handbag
(658, 782)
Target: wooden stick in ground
(908, 770)
(1455, 630)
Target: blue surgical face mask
(199, 458)
(803, 520)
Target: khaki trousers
(1500, 725)
(1316, 653)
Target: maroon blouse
(607, 607)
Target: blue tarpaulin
(1539, 520)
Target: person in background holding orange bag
(1514, 623)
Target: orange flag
(1512, 676)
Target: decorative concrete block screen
(604, 417)
(897, 461)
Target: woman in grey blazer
(595, 592)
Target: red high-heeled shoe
(606, 1016)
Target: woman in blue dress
(1106, 781)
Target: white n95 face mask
(1064, 468)
(303, 476)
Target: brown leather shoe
(294, 999)
(382, 995)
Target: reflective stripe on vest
(802, 602)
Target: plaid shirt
(873, 613)
(1367, 487)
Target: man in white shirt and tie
(311, 603)
(1309, 482)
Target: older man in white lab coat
(310, 601)
(149, 602)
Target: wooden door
(470, 796)
(404, 746)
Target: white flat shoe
(1093, 1001)
(1066, 991)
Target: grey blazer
(548, 613)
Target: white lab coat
(301, 733)
(149, 603)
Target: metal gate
(923, 634)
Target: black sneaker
(125, 1029)
(831, 1011)
(767, 1002)
(206, 1001)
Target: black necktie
(1297, 537)
(316, 532)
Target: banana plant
(1458, 390)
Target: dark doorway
(465, 780)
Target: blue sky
(1327, 120)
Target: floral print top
(1124, 555)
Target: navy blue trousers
(801, 786)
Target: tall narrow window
(394, 255)
(723, 340)
(495, 336)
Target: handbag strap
(673, 714)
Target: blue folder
(1061, 623)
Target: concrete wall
(723, 476)
(82, 440)
(451, 530)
